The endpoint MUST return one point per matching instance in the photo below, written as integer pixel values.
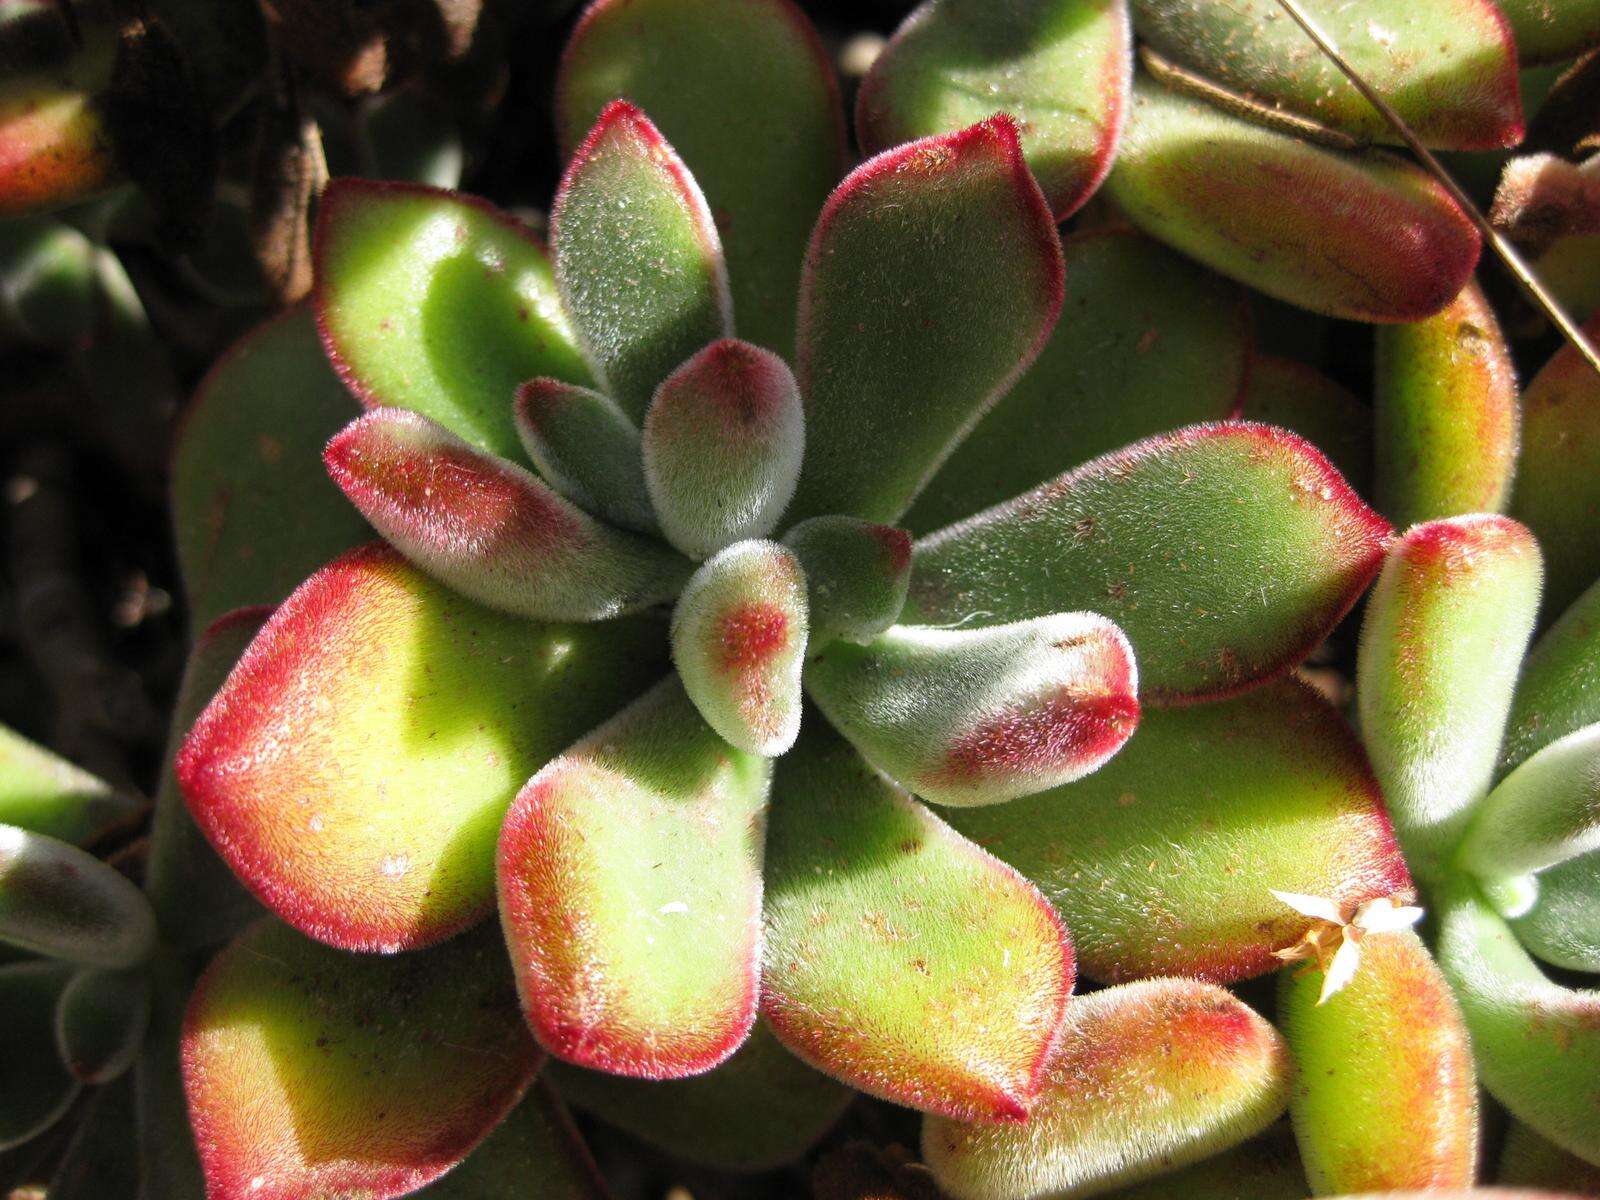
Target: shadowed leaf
(51, 295)
(1548, 32)
(857, 574)
(1563, 927)
(1528, 1160)
(102, 1159)
(587, 449)
(1302, 399)
(45, 794)
(101, 1022)
(536, 1152)
(35, 1088)
(1543, 813)
(59, 901)
(1264, 1168)
(1559, 689)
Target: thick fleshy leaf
(1543, 813)
(169, 1162)
(1444, 634)
(35, 1088)
(1557, 493)
(51, 295)
(1537, 1043)
(932, 280)
(1162, 862)
(857, 574)
(248, 452)
(587, 449)
(1446, 401)
(1302, 399)
(1060, 67)
(1447, 66)
(760, 1109)
(313, 1072)
(535, 1153)
(57, 900)
(1146, 1077)
(1559, 690)
(723, 442)
(1264, 1168)
(1248, 200)
(739, 641)
(638, 259)
(437, 302)
(489, 529)
(745, 91)
(1147, 342)
(1549, 32)
(45, 794)
(981, 716)
(1385, 1097)
(899, 956)
(1261, 549)
(429, 712)
(1563, 927)
(624, 966)
(1528, 1160)
(101, 1022)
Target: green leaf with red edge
(536, 1152)
(1443, 637)
(746, 93)
(101, 1022)
(723, 440)
(1559, 689)
(739, 635)
(932, 280)
(587, 449)
(1385, 1097)
(1264, 1168)
(1557, 493)
(622, 966)
(1162, 862)
(1289, 394)
(58, 900)
(1547, 32)
(1446, 408)
(309, 1071)
(856, 573)
(1563, 927)
(1145, 1077)
(1537, 1044)
(981, 716)
(247, 451)
(1528, 1160)
(638, 259)
(1247, 201)
(1544, 813)
(1447, 66)
(437, 302)
(900, 957)
(35, 1088)
(428, 711)
(760, 1109)
(1060, 67)
(489, 529)
(1261, 549)
(45, 794)
(1147, 342)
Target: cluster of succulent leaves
(818, 613)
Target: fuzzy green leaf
(746, 93)
(247, 453)
(1447, 66)
(638, 259)
(857, 574)
(1444, 633)
(1549, 32)
(1260, 550)
(45, 794)
(101, 1022)
(723, 442)
(932, 280)
(1537, 1043)
(1302, 399)
(1060, 67)
(1146, 1077)
(35, 1088)
(309, 1071)
(1264, 1168)
(438, 303)
(981, 716)
(899, 956)
(1247, 200)
(1446, 401)
(1545, 812)
(1563, 927)
(490, 529)
(1147, 342)
(1385, 1097)
(1559, 690)
(429, 712)
(587, 449)
(535, 1154)
(1557, 492)
(59, 901)
(1162, 861)
(1528, 1160)
(739, 637)
(630, 893)
(760, 1109)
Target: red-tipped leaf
(586, 448)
